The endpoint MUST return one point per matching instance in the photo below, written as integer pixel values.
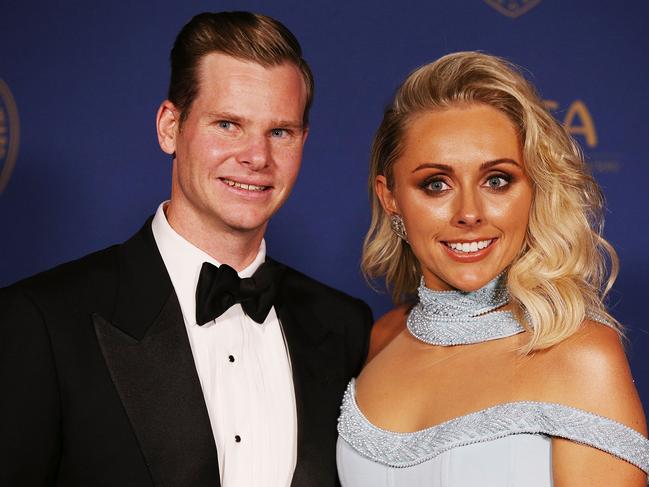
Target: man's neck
(234, 248)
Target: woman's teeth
(469, 246)
(249, 187)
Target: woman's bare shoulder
(590, 371)
(386, 328)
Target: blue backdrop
(80, 167)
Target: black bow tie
(219, 288)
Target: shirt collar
(184, 260)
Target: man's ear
(385, 195)
(167, 124)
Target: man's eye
(279, 133)
(224, 124)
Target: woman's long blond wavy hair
(565, 267)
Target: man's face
(238, 152)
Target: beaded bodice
(402, 450)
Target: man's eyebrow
(231, 117)
(287, 124)
(447, 168)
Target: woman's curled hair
(565, 267)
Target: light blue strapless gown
(506, 445)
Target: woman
(508, 371)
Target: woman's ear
(385, 195)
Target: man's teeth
(469, 247)
(249, 187)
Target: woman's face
(460, 186)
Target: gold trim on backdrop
(580, 124)
(513, 8)
(9, 134)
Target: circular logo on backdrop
(9, 134)
(513, 8)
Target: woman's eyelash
(507, 178)
(437, 184)
(426, 184)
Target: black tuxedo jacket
(98, 385)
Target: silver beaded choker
(461, 318)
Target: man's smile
(245, 186)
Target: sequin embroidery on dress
(402, 450)
(459, 318)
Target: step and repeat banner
(80, 83)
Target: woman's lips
(469, 250)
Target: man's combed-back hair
(565, 267)
(242, 35)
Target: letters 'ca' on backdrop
(80, 83)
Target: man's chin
(247, 225)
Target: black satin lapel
(319, 382)
(144, 284)
(157, 381)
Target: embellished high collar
(461, 318)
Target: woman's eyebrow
(447, 168)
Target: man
(153, 363)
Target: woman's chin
(462, 282)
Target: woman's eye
(436, 186)
(497, 182)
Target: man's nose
(255, 152)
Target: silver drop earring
(396, 222)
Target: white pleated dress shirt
(244, 370)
